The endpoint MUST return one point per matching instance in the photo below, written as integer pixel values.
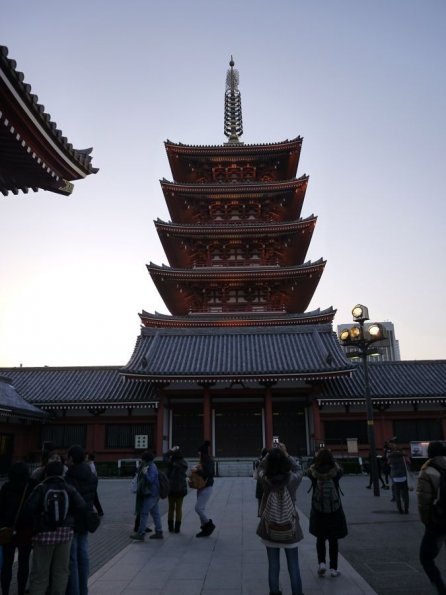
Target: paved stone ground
(382, 545)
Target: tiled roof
(238, 354)
(22, 118)
(233, 148)
(408, 379)
(91, 387)
(12, 404)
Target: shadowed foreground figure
(435, 527)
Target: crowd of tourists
(49, 512)
(52, 511)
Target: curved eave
(247, 378)
(236, 273)
(228, 230)
(34, 127)
(247, 319)
(248, 188)
(101, 405)
(233, 149)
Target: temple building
(240, 358)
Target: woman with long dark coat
(13, 495)
(327, 518)
(176, 472)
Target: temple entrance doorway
(187, 428)
(290, 425)
(238, 431)
(6, 449)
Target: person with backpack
(176, 473)
(327, 518)
(279, 526)
(53, 504)
(81, 477)
(431, 496)
(13, 495)
(148, 495)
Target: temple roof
(402, 380)
(246, 188)
(34, 153)
(235, 229)
(73, 387)
(226, 319)
(190, 163)
(12, 404)
(307, 352)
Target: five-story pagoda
(239, 359)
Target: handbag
(7, 533)
(196, 482)
(92, 520)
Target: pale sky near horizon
(363, 82)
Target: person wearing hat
(205, 469)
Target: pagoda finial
(233, 105)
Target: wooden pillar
(159, 427)
(207, 415)
(317, 435)
(268, 405)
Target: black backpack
(56, 503)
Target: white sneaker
(334, 572)
(322, 569)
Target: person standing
(13, 495)
(81, 477)
(398, 474)
(327, 518)
(148, 494)
(176, 473)
(434, 533)
(91, 457)
(53, 504)
(205, 470)
(280, 485)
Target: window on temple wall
(215, 254)
(337, 431)
(235, 253)
(218, 213)
(236, 296)
(214, 300)
(256, 255)
(234, 212)
(123, 435)
(252, 212)
(422, 430)
(64, 436)
(249, 173)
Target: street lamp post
(362, 338)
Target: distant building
(390, 350)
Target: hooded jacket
(427, 486)
(176, 472)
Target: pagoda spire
(233, 106)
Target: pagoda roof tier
(257, 355)
(34, 152)
(292, 287)
(194, 163)
(89, 387)
(286, 197)
(179, 240)
(198, 320)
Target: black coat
(81, 477)
(326, 524)
(11, 494)
(176, 472)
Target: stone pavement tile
(108, 587)
(183, 587)
(185, 570)
(150, 578)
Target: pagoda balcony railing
(242, 262)
(238, 309)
